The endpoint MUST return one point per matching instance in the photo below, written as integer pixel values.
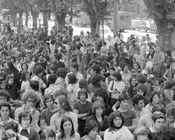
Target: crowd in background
(65, 87)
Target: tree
(163, 13)
(96, 10)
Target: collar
(20, 129)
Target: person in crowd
(11, 132)
(25, 85)
(72, 88)
(25, 120)
(61, 75)
(30, 99)
(64, 109)
(142, 133)
(98, 109)
(93, 71)
(170, 116)
(116, 129)
(158, 120)
(81, 108)
(116, 87)
(91, 131)
(139, 106)
(49, 111)
(126, 74)
(132, 88)
(169, 73)
(67, 130)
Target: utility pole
(115, 27)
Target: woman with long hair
(169, 73)
(67, 131)
(64, 109)
(116, 130)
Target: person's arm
(110, 86)
(165, 75)
(52, 123)
(80, 116)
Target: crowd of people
(65, 87)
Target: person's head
(141, 78)
(155, 98)
(97, 80)
(123, 99)
(82, 94)
(25, 119)
(52, 69)
(133, 81)
(83, 83)
(5, 109)
(115, 120)
(91, 129)
(138, 101)
(136, 66)
(9, 65)
(98, 108)
(41, 57)
(125, 68)
(61, 72)
(72, 79)
(27, 75)
(94, 70)
(4, 96)
(50, 134)
(170, 115)
(141, 133)
(166, 132)
(52, 79)
(117, 76)
(34, 85)
(62, 102)
(158, 119)
(102, 95)
(30, 98)
(38, 70)
(58, 56)
(48, 99)
(66, 127)
(74, 67)
(11, 130)
(141, 89)
(111, 70)
(24, 66)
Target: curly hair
(111, 118)
(30, 94)
(48, 96)
(90, 126)
(5, 94)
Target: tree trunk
(27, 19)
(94, 24)
(14, 18)
(45, 20)
(165, 35)
(34, 17)
(61, 21)
(20, 19)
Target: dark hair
(90, 126)
(171, 111)
(64, 103)
(153, 94)
(38, 70)
(83, 83)
(111, 118)
(52, 67)
(96, 69)
(123, 97)
(52, 79)
(158, 108)
(96, 80)
(102, 93)
(61, 72)
(5, 94)
(157, 115)
(5, 104)
(34, 85)
(25, 114)
(75, 66)
(11, 66)
(72, 79)
(82, 91)
(143, 88)
(141, 78)
(97, 104)
(12, 125)
(65, 119)
(48, 96)
(117, 75)
(58, 56)
(136, 98)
